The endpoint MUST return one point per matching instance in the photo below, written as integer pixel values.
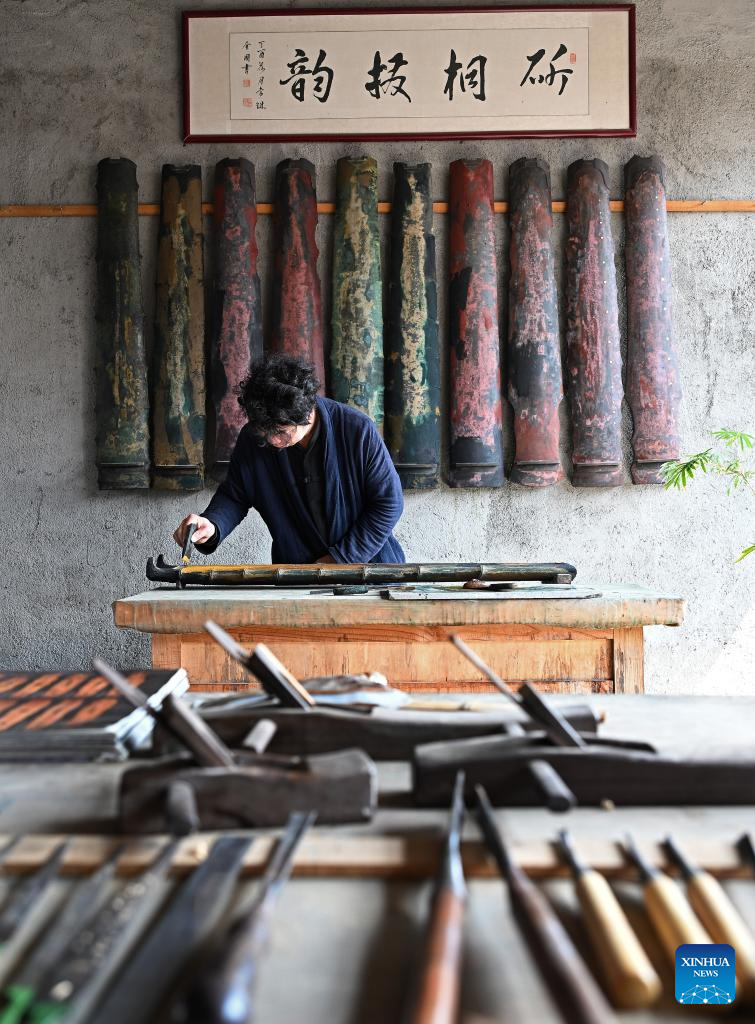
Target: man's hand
(326, 560)
(205, 530)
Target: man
(317, 471)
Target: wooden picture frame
(417, 73)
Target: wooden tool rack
(347, 927)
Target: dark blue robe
(363, 496)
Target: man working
(317, 472)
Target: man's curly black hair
(278, 391)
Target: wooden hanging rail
(330, 855)
(266, 209)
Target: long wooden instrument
(628, 974)
(438, 996)
(575, 991)
(372, 574)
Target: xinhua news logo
(704, 974)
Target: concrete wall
(81, 81)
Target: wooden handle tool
(574, 989)
(191, 529)
(439, 985)
(629, 976)
(222, 989)
(672, 918)
(718, 915)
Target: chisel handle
(438, 999)
(189, 532)
(577, 993)
(723, 922)
(671, 915)
(630, 978)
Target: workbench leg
(166, 650)
(628, 661)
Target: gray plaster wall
(81, 81)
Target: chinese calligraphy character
(535, 58)
(376, 85)
(322, 76)
(473, 77)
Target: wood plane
(260, 791)
(622, 772)
(383, 733)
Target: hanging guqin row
(392, 370)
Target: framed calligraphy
(260, 76)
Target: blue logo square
(704, 974)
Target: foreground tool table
(348, 926)
(583, 639)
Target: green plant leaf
(734, 438)
(678, 472)
(746, 552)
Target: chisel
(222, 992)
(574, 989)
(440, 980)
(186, 549)
(27, 891)
(718, 915)
(119, 921)
(630, 978)
(78, 911)
(670, 914)
(179, 932)
(6, 882)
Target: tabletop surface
(170, 610)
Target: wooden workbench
(344, 942)
(582, 640)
